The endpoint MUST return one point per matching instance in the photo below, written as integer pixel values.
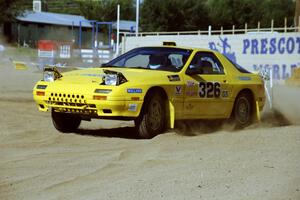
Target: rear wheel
(65, 122)
(152, 120)
(243, 110)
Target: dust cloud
(286, 101)
(285, 110)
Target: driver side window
(206, 63)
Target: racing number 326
(209, 89)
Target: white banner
(279, 52)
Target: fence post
(209, 30)
(123, 43)
(258, 26)
(285, 24)
(299, 23)
(221, 30)
(272, 25)
(246, 27)
(199, 32)
(233, 28)
(118, 30)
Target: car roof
(180, 47)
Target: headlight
(49, 76)
(111, 79)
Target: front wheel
(65, 122)
(243, 110)
(152, 120)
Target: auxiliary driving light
(98, 97)
(40, 93)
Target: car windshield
(152, 58)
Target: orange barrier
(20, 65)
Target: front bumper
(85, 104)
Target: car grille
(74, 103)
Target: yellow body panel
(75, 91)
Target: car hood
(96, 75)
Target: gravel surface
(105, 161)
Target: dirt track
(104, 161)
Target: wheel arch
(170, 113)
(251, 94)
(158, 89)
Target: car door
(207, 87)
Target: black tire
(65, 122)
(243, 110)
(152, 120)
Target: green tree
(180, 15)
(238, 12)
(278, 10)
(173, 15)
(61, 6)
(106, 10)
(10, 9)
(235, 12)
(297, 13)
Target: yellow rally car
(154, 86)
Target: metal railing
(216, 32)
(220, 31)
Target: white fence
(211, 31)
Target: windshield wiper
(104, 66)
(110, 66)
(138, 67)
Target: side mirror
(194, 71)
